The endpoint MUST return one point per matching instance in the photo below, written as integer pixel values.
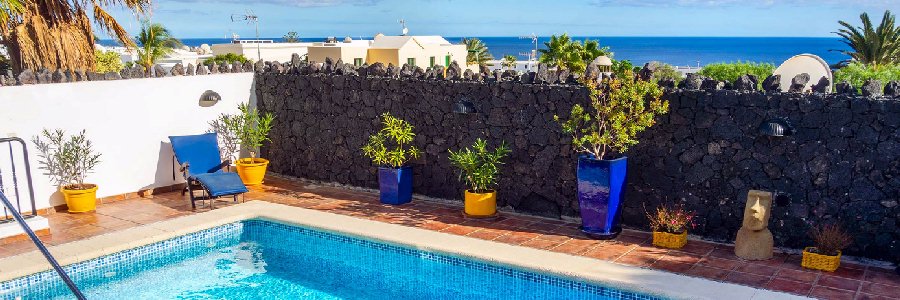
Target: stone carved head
(758, 210)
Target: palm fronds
(155, 42)
(872, 45)
(478, 52)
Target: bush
(829, 239)
(857, 74)
(249, 128)
(107, 61)
(67, 159)
(225, 58)
(731, 71)
(397, 133)
(479, 168)
(667, 71)
(673, 220)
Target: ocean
(678, 51)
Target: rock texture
(706, 153)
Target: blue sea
(679, 51)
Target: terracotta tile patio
(698, 258)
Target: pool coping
(636, 279)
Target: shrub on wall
(857, 73)
(107, 61)
(226, 58)
(667, 71)
(731, 71)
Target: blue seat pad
(221, 183)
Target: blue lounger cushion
(221, 183)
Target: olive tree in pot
(478, 168)
(620, 108)
(390, 150)
(250, 129)
(67, 160)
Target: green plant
(622, 107)
(229, 143)
(155, 42)
(477, 52)
(225, 58)
(128, 65)
(291, 37)
(872, 46)
(478, 167)
(620, 67)
(249, 128)
(107, 61)
(675, 220)
(564, 53)
(397, 133)
(829, 239)
(67, 160)
(856, 73)
(731, 71)
(509, 61)
(667, 71)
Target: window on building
(357, 62)
(447, 60)
(431, 62)
(411, 62)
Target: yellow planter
(252, 171)
(669, 240)
(481, 204)
(80, 200)
(817, 261)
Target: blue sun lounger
(201, 165)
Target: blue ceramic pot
(600, 186)
(395, 185)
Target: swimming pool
(260, 259)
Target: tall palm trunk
(40, 41)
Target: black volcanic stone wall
(841, 164)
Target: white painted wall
(281, 52)
(129, 122)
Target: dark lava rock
(94, 76)
(437, 72)
(125, 73)
(822, 86)
(798, 83)
(667, 83)
(236, 67)
(112, 76)
(419, 73)
(484, 71)
(406, 71)
(892, 89)
(177, 70)
(44, 76)
(202, 70)
(712, 85)
(454, 72)
(159, 71)
(80, 75)
(871, 88)
(189, 71)
(59, 76)
(543, 74)
(392, 70)
(772, 83)
(224, 67)
(692, 81)
(27, 77)
(844, 88)
(646, 73)
(377, 69)
(295, 59)
(137, 71)
(468, 75)
(247, 66)
(747, 82)
(259, 66)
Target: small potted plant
(390, 150)
(621, 107)
(67, 160)
(478, 168)
(670, 226)
(829, 240)
(251, 129)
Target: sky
(365, 18)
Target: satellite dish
(405, 30)
(810, 64)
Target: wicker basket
(669, 240)
(817, 261)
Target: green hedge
(225, 58)
(857, 74)
(731, 71)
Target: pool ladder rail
(10, 209)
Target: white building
(269, 50)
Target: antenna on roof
(405, 30)
(251, 18)
(533, 55)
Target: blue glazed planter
(395, 185)
(600, 186)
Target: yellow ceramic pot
(822, 262)
(252, 170)
(80, 200)
(669, 240)
(481, 204)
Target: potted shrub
(390, 150)
(251, 129)
(620, 108)
(829, 240)
(67, 160)
(670, 226)
(479, 168)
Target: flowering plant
(671, 219)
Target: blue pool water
(259, 259)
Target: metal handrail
(43, 249)
(17, 216)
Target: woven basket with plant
(829, 240)
(670, 226)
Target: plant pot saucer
(601, 235)
(488, 217)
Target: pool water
(258, 259)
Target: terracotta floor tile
(641, 256)
(434, 225)
(682, 257)
(460, 229)
(698, 247)
(747, 279)
(576, 247)
(553, 237)
(831, 294)
(864, 296)
(541, 244)
(609, 251)
(487, 234)
(851, 272)
(880, 289)
(838, 282)
(708, 272)
(799, 276)
(672, 266)
(792, 287)
(721, 263)
(516, 237)
(757, 269)
(723, 253)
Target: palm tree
(509, 61)
(564, 53)
(872, 46)
(59, 33)
(155, 42)
(478, 52)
